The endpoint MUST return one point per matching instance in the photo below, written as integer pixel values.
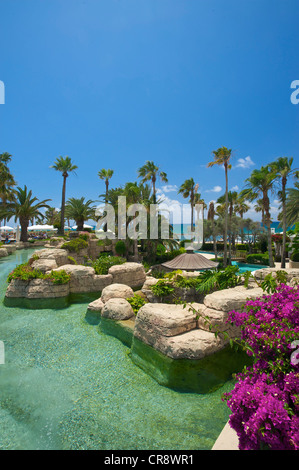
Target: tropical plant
(232, 198)
(79, 210)
(7, 182)
(222, 157)
(211, 217)
(106, 175)
(292, 204)
(150, 172)
(258, 185)
(188, 190)
(25, 207)
(282, 168)
(65, 166)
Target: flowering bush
(265, 400)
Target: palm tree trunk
(268, 225)
(154, 190)
(284, 224)
(24, 226)
(61, 230)
(225, 218)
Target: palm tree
(292, 204)
(150, 172)
(7, 181)
(65, 166)
(222, 157)
(25, 207)
(282, 168)
(241, 208)
(52, 216)
(79, 210)
(106, 175)
(211, 217)
(232, 197)
(187, 189)
(258, 186)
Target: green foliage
(72, 260)
(295, 256)
(26, 272)
(105, 261)
(209, 281)
(120, 247)
(136, 302)
(162, 288)
(169, 255)
(258, 258)
(104, 242)
(75, 245)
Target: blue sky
(113, 83)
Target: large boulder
(131, 274)
(84, 280)
(155, 320)
(36, 289)
(119, 291)
(231, 299)
(58, 255)
(210, 319)
(44, 264)
(3, 252)
(117, 309)
(194, 344)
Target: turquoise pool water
(243, 267)
(66, 385)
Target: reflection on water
(67, 385)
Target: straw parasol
(190, 261)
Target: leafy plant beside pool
(26, 272)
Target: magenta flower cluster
(265, 400)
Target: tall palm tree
(187, 189)
(241, 208)
(232, 198)
(222, 157)
(292, 204)
(282, 168)
(211, 217)
(65, 166)
(25, 207)
(258, 185)
(79, 210)
(52, 216)
(7, 181)
(150, 172)
(106, 175)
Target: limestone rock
(155, 320)
(117, 309)
(210, 319)
(84, 279)
(3, 252)
(116, 291)
(231, 299)
(194, 344)
(60, 256)
(44, 265)
(131, 274)
(96, 306)
(36, 289)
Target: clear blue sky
(113, 83)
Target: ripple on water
(66, 385)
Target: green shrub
(104, 242)
(258, 258)
(120, 247)
(75, 245)
(295, 256)
(105, 261)
(26, 272)
(59, 277)
(162, 288)
(136, 302)
(72, 260)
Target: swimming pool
(65, 385)
(243, 267)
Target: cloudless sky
(113, 83)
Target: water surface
(66, 385)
